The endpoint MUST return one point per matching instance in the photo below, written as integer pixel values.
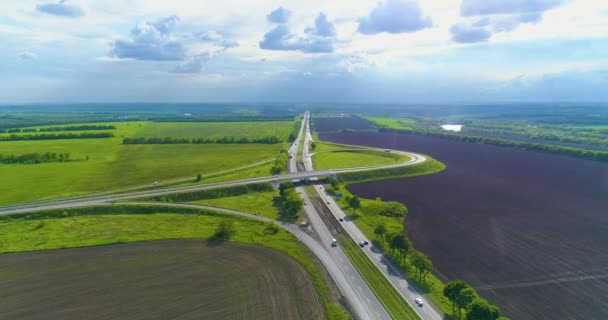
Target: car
(341, 219)
(366, 242)
(334, 242)
(328, 202)
(419, 301)
(361, 243)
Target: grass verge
(355, 158)
(368, 218)
(390, 298)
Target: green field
(104, 164)
(393, 123)
(355, 158)
(212, 130)
(258, 203)
(121, 224)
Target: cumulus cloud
(322, 27)
(485, 7)
(279, 15)
(463, 33)
(27, 55)
(63, 8)
(216, 38)
(319, 38)
(498, 16)
(195, 64)
(151, 41)
(395, 16)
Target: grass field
(165, 279)
(324, 146)
(355, 158)
(393, 123)
(103, 164)
(111, 225)
(212, 130)
(258, 203)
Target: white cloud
(27, 55)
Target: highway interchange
(361, 300)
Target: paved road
(362, 301)
(391, 272)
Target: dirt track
(177, 279)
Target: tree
(225, 230)
(451, 291)
(422, 263)
(199, 177)
(400, 243)
(333, 182)
(464, 299)
(480, 309)
(354, 203)
(284, 186)
(291, 203)
(380, 231)
(313, 146)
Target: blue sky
(303, 51)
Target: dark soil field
(528, 230)
(331, 124)
(177, 279)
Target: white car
(419, 302)
(334, 242)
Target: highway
(361, 300)
(390, 271)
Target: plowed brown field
(528, 230)
(177, 279)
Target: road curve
(362, 301)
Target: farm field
(213, 130)
(105, 163)
(158, 279)
(354, 158)
(331, 124)
(393, 123)
(526, 229)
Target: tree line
(463, 297)
(529, 146)
(294, 133)
(213, 193)
(55, 129)
(223, 140)
(57, 136)
(35, 158)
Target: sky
(389, 51)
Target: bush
(393, 209)
(225, 230)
